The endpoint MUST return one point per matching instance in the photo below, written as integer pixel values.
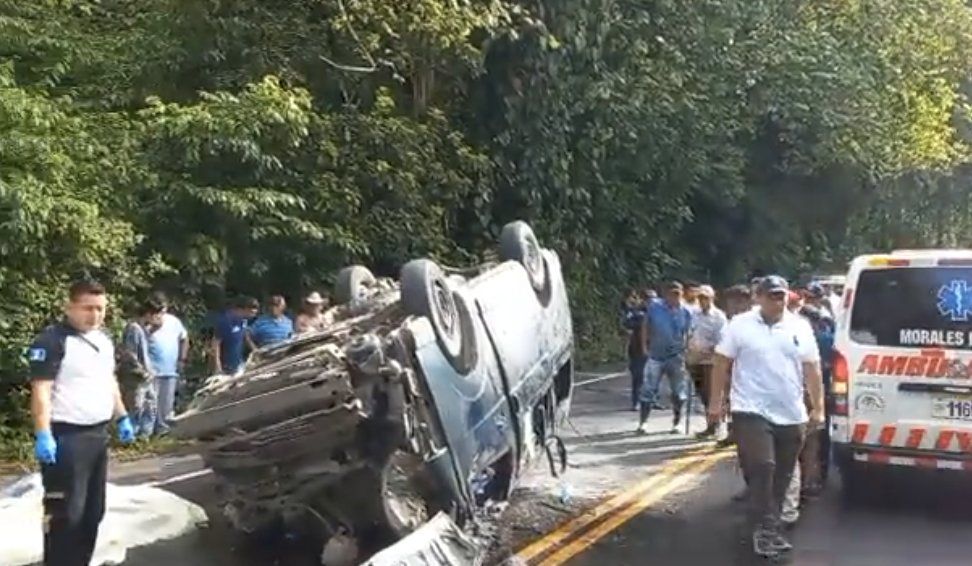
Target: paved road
(906, 522)
(606, 456)
(923, 523)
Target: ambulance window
(913, 307)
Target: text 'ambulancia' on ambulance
(901, 390)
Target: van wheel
(351, 282)
(519, 243)
(427, 292)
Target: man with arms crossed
(773, 354)
(74, 395)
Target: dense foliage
(223, 146)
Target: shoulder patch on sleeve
(37, 354)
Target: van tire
(350, 281)
(518, 243)
(426, 291)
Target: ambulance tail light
(840, 384)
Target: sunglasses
(777, 295)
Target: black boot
(676, 415)
(709, 432)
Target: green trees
(254, 146)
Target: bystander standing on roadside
(168, 353)
(227, 349)
(272, 327)
(632, 315)
(705, 334)
(817, 296)
(773, 355)
(74, 397)
(135, 373)
(794, 302)
(738, 299)
(311, 315)
(691, 296)
(666, 329)
(815, 458)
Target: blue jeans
(674, 368)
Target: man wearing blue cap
(666, 326)
(774, 355)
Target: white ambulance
(901, 393)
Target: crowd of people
(155, 347)
(758, 355)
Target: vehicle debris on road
(427, 395)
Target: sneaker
(779, 542)
(763, 544)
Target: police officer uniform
(82, 367)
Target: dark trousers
(700, 380)
(768, 455)
(636, 365)
(74, 494)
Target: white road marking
(180, 478)
(604, 377)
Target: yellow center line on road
(613, 504)
(586, 539)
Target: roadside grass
(17, 451)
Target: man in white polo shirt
(773, 355)
(74, 395)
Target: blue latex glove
(45, 447)
(126, 432)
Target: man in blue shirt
(168, 352)
(227, 348)
(666, 327)
(273, 327)
(815, 458)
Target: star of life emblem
(955, 300)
